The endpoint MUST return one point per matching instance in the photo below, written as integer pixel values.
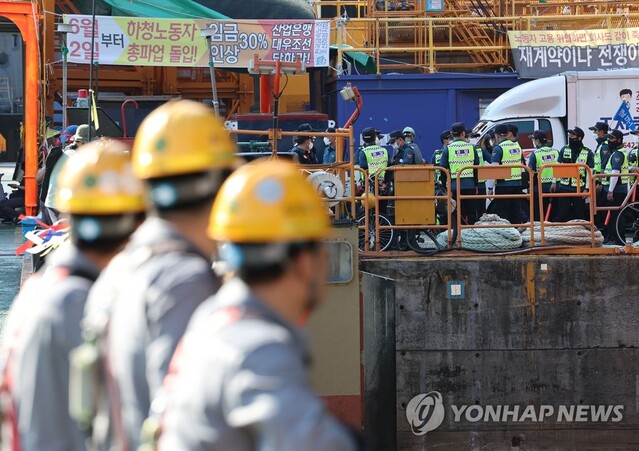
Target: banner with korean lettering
(140, 41)
(542, 53)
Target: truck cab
(536, 105)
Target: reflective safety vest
(460, 154)
(546, 155)
(511, 154)
(598, 156)
(377, 159)
(625, 167)
(480, 155)
(583, 159)
(633, 151)
(438, 158)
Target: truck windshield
(480, 127)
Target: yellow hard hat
(268, 201)
(99, 180)
(369, 200)
(181, 137)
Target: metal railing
(455, 228)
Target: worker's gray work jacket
(150, 292)
(42, 328)
(240, 382)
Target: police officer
(480, 204)
(329, 149)
(104, 204)
(375, 159)
(506, 152)
(440, 180)
(601, 155)
(409, 138)
(303, 147)
(575, 152)
(240, 379)
(403, 152)
(543, 154)
(615, 187)
(150, 291)
(457, 154)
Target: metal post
(216, 105)
(65, 52)
(91, 67)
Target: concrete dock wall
(496, 335)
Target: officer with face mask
(542, 154)
(601, 155)
(403, 153)
(303, 147)
(409, 136)
(329, 150)
(615, 187)
(575, 152)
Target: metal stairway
(480, 34)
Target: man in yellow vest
(375, 159)
(575, 152)
(543, 154)
(614, 188)
(506, 152)
(455, 156)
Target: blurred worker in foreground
(543, 154)
(104, 203)
(149, 292)
(575, 152)
(615, 187)
(506, 152)
(456, 155)
(239, 380)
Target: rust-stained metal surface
(526, 331)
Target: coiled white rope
(564, 235)
(488, 239)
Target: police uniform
(456, 155)
(539, 157)
(573, 207)
(148, 315)
(375, 159)
(240, 382)
(506, 153)
(404, 155)
(42, 328)
(616, 164)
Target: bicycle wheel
(385, 235)
(627, 225)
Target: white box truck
(558, 103)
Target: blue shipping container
(427, 103)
